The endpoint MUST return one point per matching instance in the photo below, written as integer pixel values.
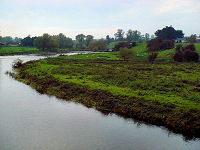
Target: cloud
(177, 6)
(97, 17)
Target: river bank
(159, 94)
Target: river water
(31, 121)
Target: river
(31, 121)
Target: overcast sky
(97, 17)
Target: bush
(190, 47)
(167, 44)
(97, 45)
(159, 44)
(178, 56)
(152, 57)
(186, 53)
(125, 53)
(178, 48)
(124, 44)
(191, 56)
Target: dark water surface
(30, 121)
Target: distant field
(10, 50)
(23, 50)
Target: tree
(81, 39)
(132, 35)
(64, 42)
(98, 45)
(109, 40)
(88, 39)
(126, 53)
(192, 38)
(129, 35)
(147, 36)
(119, 36)
(61, 40)
(169, 33)
(136, 35)
(124, 44)
(69, 43)
(7, 40)
(152, 36)
(28, 41)
(46, 42)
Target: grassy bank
(13, 50)
(163, 93)
(26, 50)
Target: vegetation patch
(159, 93)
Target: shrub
(190, 47)
(178, 48)
(178, 56)
(159, 44)
(186, 53)
(152, 57)
(125, 53)
(191, 56)
(124, 44)
(167, 44)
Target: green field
(163, 93)
(9, 50)
(23, 50)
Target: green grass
(164, 56)
(17, 49)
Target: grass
(25, 50)
(162, 93)
(11, 50)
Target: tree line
(87, 42)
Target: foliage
(109, 40)
(186, 53)
(157, 44)
(189, 47)
(178, 56)
(64, 42)
(124, 44)
(169, 33)
(6, 40)
(119, 35)
(46, 42)
(192, 39)
(126, 53)
(81, 41)
(28, 41)
(178, 47)
(147, 36)
(152, 56)
(191, 56)
(88, 39)
(132, 35)
(97, 45)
